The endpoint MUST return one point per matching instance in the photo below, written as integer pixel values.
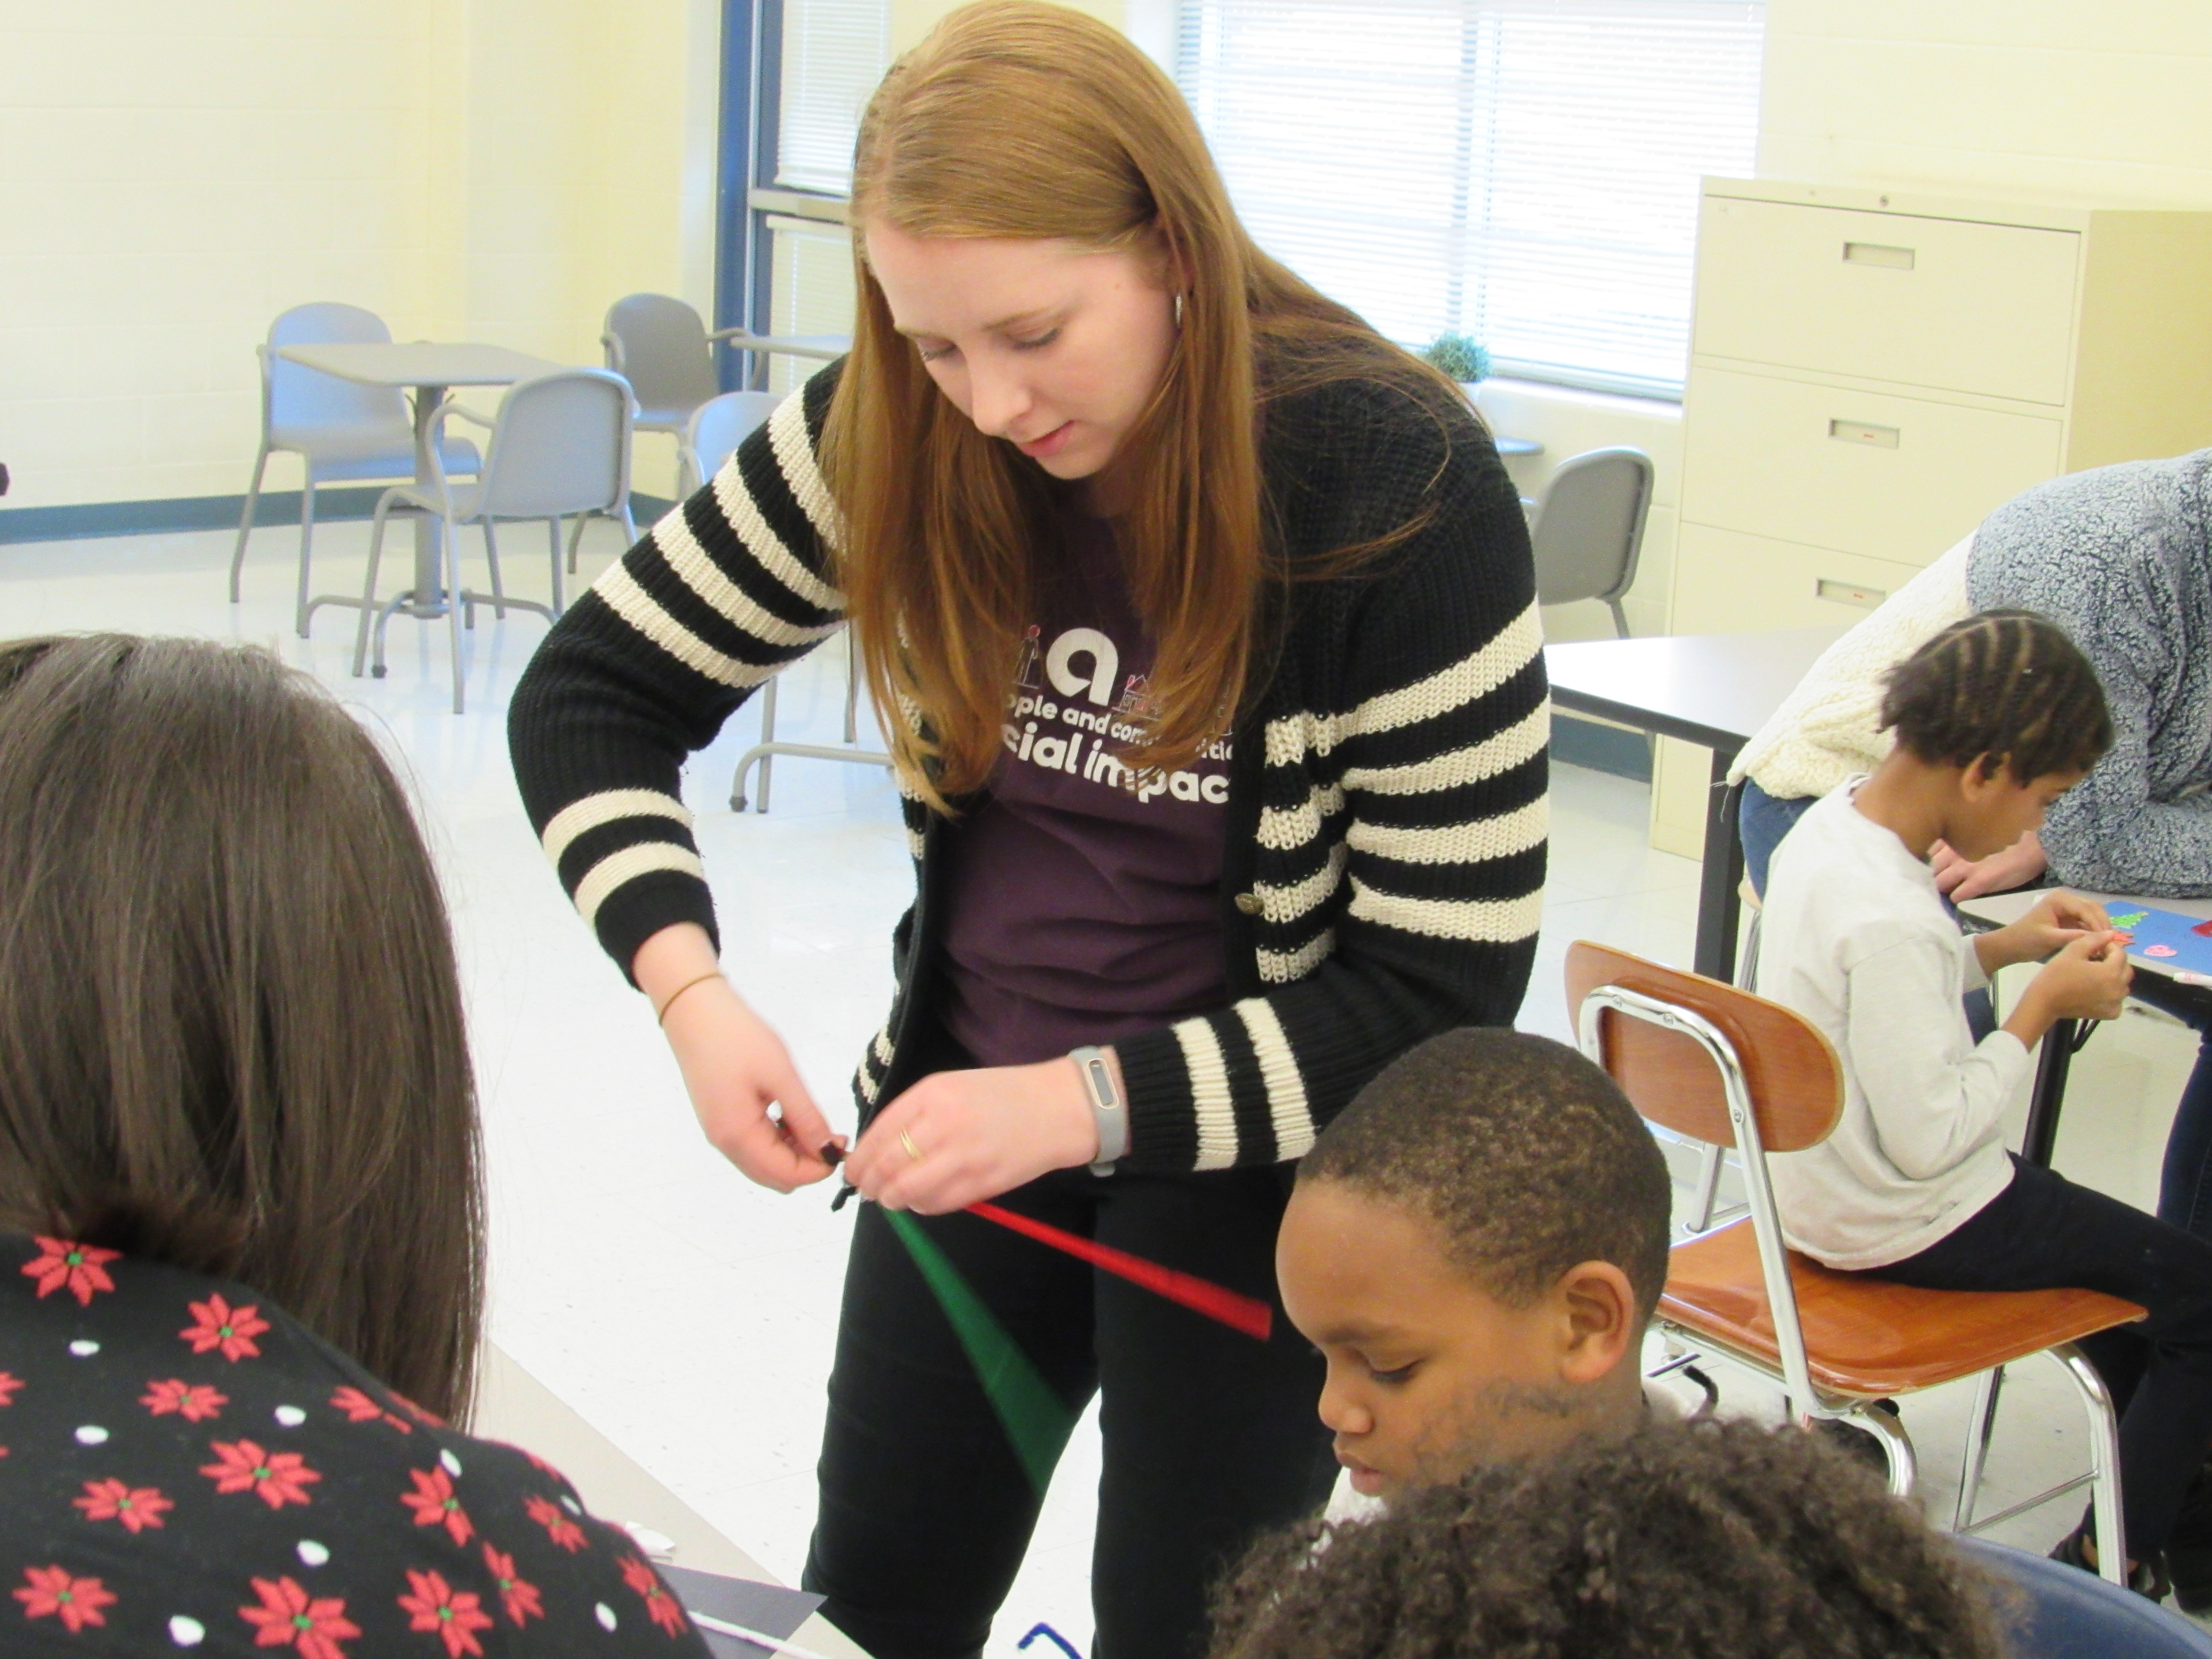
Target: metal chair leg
(1981, 1423)
(368, 588)
(852, 688)
(553, 541)
(1709, 1188)
(2104, 1463)
(1896, 1449)
(491, 557)
(450, 575)
(768, 735)
(306, 540)
(246, 519)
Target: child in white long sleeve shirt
(1996, 717)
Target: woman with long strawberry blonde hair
(1208, 624)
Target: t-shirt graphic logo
(1079, 643)
(1137, 702)
(1025, 669)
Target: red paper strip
(1241, 1313)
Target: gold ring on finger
(912, 1150)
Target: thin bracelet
(661, 1018)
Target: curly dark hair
(2007, 685)
(1725, 1540)
(1526, 1156)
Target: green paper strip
(1032, 1415)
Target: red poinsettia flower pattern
(64, 1265)
(276, 1478)
(667, 1612)
(135, 1507)
(196, 1402)
(8, 1387)
(219, 1324)
(55, 1592)
(430, 1419)
(456, 1615)
(434, 1504)
(558, 1527)
(360, 1408)
(289, 1617)
(519, 1596)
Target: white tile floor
(689, 1316)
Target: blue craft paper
(2146, 925)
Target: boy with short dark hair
(1475, 1245)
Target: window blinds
(1521, 171)
(834, 53)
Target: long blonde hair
(1021, 119)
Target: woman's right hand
(734, 1066)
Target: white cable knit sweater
(1826, 730)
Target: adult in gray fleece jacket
(2121, 558)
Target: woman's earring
(1178, 310)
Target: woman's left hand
(957, 1137)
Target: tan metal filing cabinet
(1872, 372)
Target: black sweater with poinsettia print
(184, 1468)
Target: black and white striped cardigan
(1384, 870)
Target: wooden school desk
(1713, 690)
(2064, 1039)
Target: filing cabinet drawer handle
(1873, 253)
(1861, 432)
(1852, 593)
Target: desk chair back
(559, 446)
(2065, 1613)
(298, 402)
(658, 343)
(717, 427)
(1707, 1061)
(1588, 532)
(1791, 1080)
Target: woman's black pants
(1211, 1436)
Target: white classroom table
(428, 369)
(2048, 1097)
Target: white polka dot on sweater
(186, 1632)
(84, 1347)
(452, 1464)
(92, 1435)
(290, 1416)
(312, 1553)
(606, 1615)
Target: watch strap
(1109, 1114)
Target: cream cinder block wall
(171, 179)
(2047, 99)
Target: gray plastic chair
(559, 448)
(715, 429)
(1588, 529)
(341, 430)
(658, 343)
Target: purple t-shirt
(1083, 898)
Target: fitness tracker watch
(1107, 1115)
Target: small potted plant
(1460, 357)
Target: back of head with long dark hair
(230, 1022)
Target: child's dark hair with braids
(1722, 1539)
(2000, 687)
